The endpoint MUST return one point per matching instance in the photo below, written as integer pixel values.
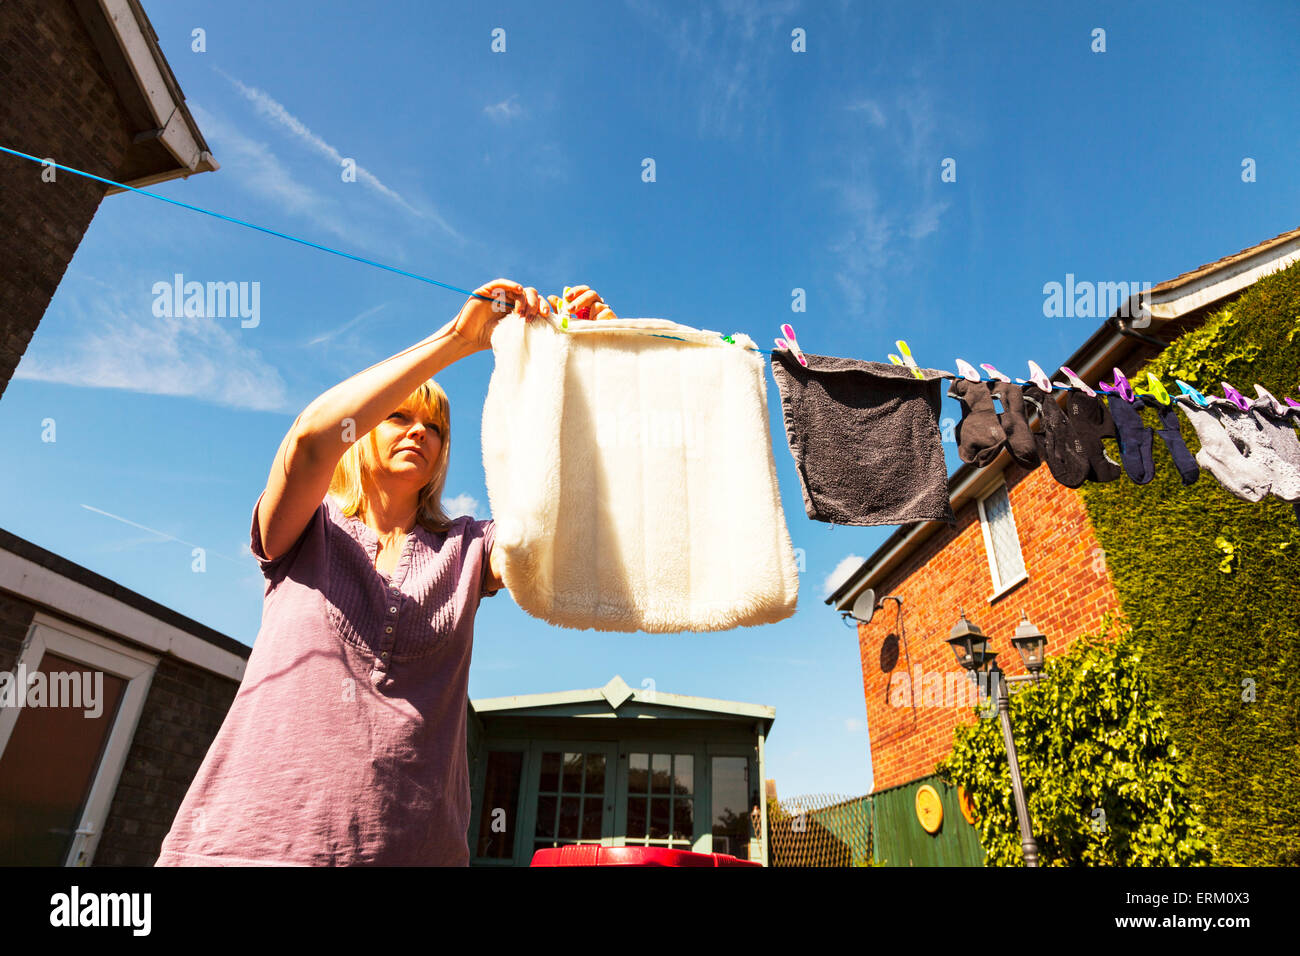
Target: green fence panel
(900, 840)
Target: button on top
(392, 610)
(384, 655)
(388, 630)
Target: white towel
(631, 477)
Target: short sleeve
(272, 566)
(489, 529)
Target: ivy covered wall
(1210, 585)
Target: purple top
(346, 741)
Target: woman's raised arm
(300, 475)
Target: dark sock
(1134, 438)
(979, 433)
(1014, 421)
(1057, 443)
(1172, 435)
(1092, 422)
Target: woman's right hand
(478, 318)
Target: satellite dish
(865, 606)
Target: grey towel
(865, 439)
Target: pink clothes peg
(791, 344)
(1234, 396)
(1293, 403)
(1038, 377)
(994, 373)
(1077, 382)
(967, 371)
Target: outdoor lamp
(1031, 643)
(969, 644)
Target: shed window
(496, 839)
(661, 800)
(570, 799)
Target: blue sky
(775, 170)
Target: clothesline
(868, 445)
(291, 238)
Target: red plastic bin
(583, 855)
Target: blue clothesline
(282, 235)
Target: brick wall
(15, 618)
(58, 103)
(181, 718)
(1067, 592)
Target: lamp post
(970, 646)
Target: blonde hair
(352, 482)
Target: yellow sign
(929, 809)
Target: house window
(660, 800)
(1002, 544)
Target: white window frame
(1000, 587)
(94, 650)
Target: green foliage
(1210, 586)
(1102, 778)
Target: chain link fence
(820, 830)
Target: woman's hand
(584, 297)
(478, 318)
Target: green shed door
(573, 794)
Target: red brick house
(1021, 542)
(86, 85)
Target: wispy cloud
(160, 536)
(854, 725)
(888, 190)
(726, 48)
(504, 111)
(354, 321)
(119, 343)
(256, 168)
(847, 566)
(461, 505)
(874, 114)
(272, 109)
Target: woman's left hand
(585, 297)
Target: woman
(345, 743)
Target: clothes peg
(967, 371)
(1268, 401)
(1293, 403)
(994, 373)
(1156, 389)
(1038, 377)
(1120, 386)
(791, 344)
(908, 361)
(1234, 396)
(1192, 393)
(1077, 382)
